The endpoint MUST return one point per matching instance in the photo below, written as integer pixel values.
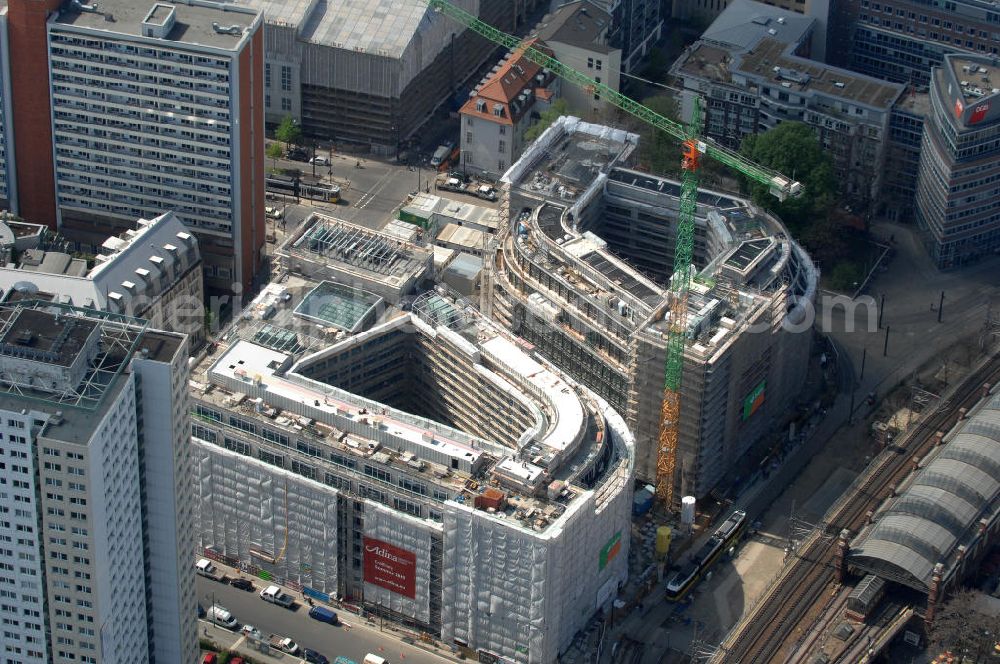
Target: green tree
(289, 132)
(793, 149)
(546, 118)
(274, 151)
(658, 150)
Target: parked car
(320, 160)
(210, 658)
(243, 584)
(274, 595)
(284, 644)
(251, 631)
(323, 614)
(273, 212)
(205, 568)
(222, 617)
(237, 660)
(314, 657)
(298, 154)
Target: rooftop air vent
(80, 7)
(227, 29)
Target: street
(332, 641)
(369, 194)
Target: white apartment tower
(122, 109)
(80, 502)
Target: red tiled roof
(517, 75)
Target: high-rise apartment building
(122, 110)
(958, 196)
(95, 539)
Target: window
(597, 65)
(502, 166)
(207, 413)
(286, 104)
(273, 459)
(502, 147)
(267, 101)
(237, 446)
(377, 473)
(503, 130)
(468, 137)
(406, 506)
(410, 485)
(590, 63)
(267, 74)
(286, 78)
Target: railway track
(761, 636)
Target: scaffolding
(358, 247)
(118, 341)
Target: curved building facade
(582, 270)
(958, 187)
(432, 467)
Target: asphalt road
(370, 194)
(330, 640)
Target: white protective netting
(247, 505)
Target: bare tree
(962, 626)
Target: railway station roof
(941, 507)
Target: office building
(579, 34)
(501, 109)
(581, 271)
(369, 73)
(901, 40)
(151, 272)
(636, 26)
(97, 509)
(426, 465)
(958, 198)
(121, 111)
(706, 11)
(753, 68)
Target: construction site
(582, 270)
(370, 72)
(430, 467)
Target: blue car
(314, 657)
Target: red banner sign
(390, 567)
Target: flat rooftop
(193, 22)
(376, 27)
(977, 78)
(40, 336)
(352, 247)
(802, 74)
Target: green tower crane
(680, 281)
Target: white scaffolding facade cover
(286, 524)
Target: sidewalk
(357, 619)
(238, 643)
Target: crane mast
(694, 147)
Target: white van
(221, 616)
(374, 659)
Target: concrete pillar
(938, 438)
(962, 413)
